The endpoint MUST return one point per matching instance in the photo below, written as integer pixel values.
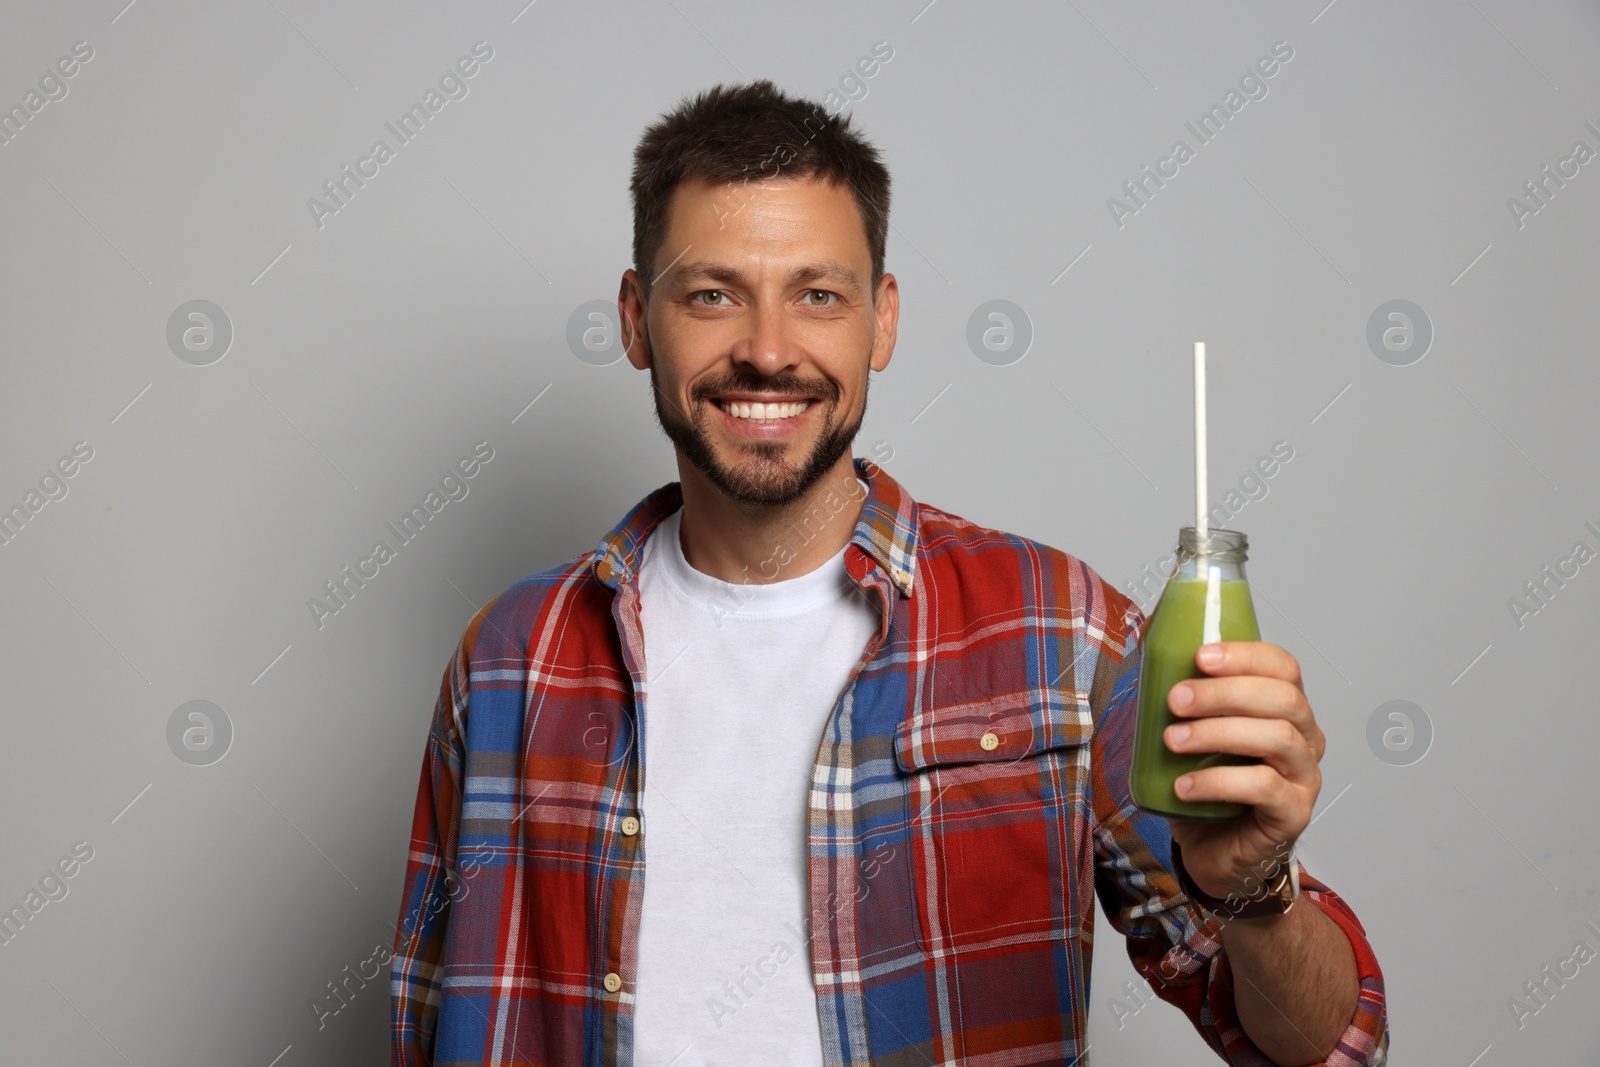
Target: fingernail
(1178, 734)
(1183, 785)
(1210, 655)
(1182, 696)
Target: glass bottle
(1206, 599)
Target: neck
(739, 542)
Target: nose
(766, 346)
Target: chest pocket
(996, 801)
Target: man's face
(762, 299)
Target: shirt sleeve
(1173, 945)
(415, 970)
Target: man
(876, 755)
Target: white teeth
(763, 412)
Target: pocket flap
(1023, 724)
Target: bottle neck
(1221, 551)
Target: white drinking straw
(1200, 442)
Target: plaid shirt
(969, 801)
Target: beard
(763, 478)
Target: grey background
(428, 313)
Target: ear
(886, 309)
(631, 316)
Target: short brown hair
(752, 131)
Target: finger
(1251, 695)
(1251, 657)
(1276, 741)
(1281, 807)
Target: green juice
(1174, 633)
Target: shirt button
(613, 982)
(989, 741)
(630, 826)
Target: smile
(758, 412)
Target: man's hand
(1253, 705)
(1298, 984)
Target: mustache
(785, 385)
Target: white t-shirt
(741, 680)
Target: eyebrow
(828, 271)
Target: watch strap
(1279, 895)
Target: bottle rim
(1221, 543)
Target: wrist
(1270, 890)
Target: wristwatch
(1279, 897)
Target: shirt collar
(886, 532)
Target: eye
(695, 297)
(824, 292)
